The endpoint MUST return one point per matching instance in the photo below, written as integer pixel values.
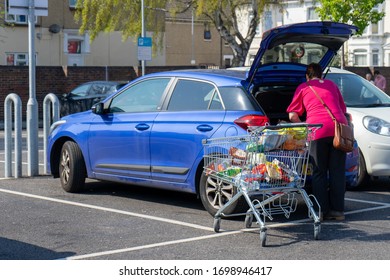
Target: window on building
(17, 59)
(374, 28)
(207, 32)
(268, 24)
(74, 46)
(312, 14)
(15, 19)
(375, 57)
(360, 57)
(75, 43)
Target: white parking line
(109, 210)
(382, 205)
(221, 234)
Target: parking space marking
(220, 234)
(112, 210)
(153, 245)
(380, 205)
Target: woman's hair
(314, 70)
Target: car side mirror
(98, 108)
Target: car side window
(144, 96)
(189, 95)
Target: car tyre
(362, 177)
(215, 193)
(72, 168)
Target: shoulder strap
(322, 102)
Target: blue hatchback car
(150, 132)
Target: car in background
(85, 95)
(369, 107)
(150, 133)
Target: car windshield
(295, 52)
(358, 92)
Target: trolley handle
(284, 125)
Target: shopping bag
(343, 137)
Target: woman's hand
(294, 117)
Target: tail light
(251, 120)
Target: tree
(226, 15)
(124, 15)
(358, 12)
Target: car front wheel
(215, 193)
(72, 167)
(363, 177)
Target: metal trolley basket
(268, 167)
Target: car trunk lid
(286, 51)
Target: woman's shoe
(335, 215)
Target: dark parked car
(84, 96)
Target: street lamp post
(143, 32)
(32, 105)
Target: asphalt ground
(39, 221)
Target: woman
(328, 178)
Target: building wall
(109, 49)
(181, 47)
(54, 79)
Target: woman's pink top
(305, 100)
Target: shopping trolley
(268, 167)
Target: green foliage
(125, 15)
(358, 12)
(121, 15)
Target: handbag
(343, 134)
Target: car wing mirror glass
(98, 108)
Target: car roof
(220, 77)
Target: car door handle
(204, 127)
(142, 126)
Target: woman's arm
(294, 117)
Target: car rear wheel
(72, 167)
(215, 193)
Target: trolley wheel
(263, 237)
(248, 220)
(217, 224)
(317, 231)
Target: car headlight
(377, 125)
(55, 125)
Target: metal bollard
(48, 119)
(15, 99)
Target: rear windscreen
(296, 52)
